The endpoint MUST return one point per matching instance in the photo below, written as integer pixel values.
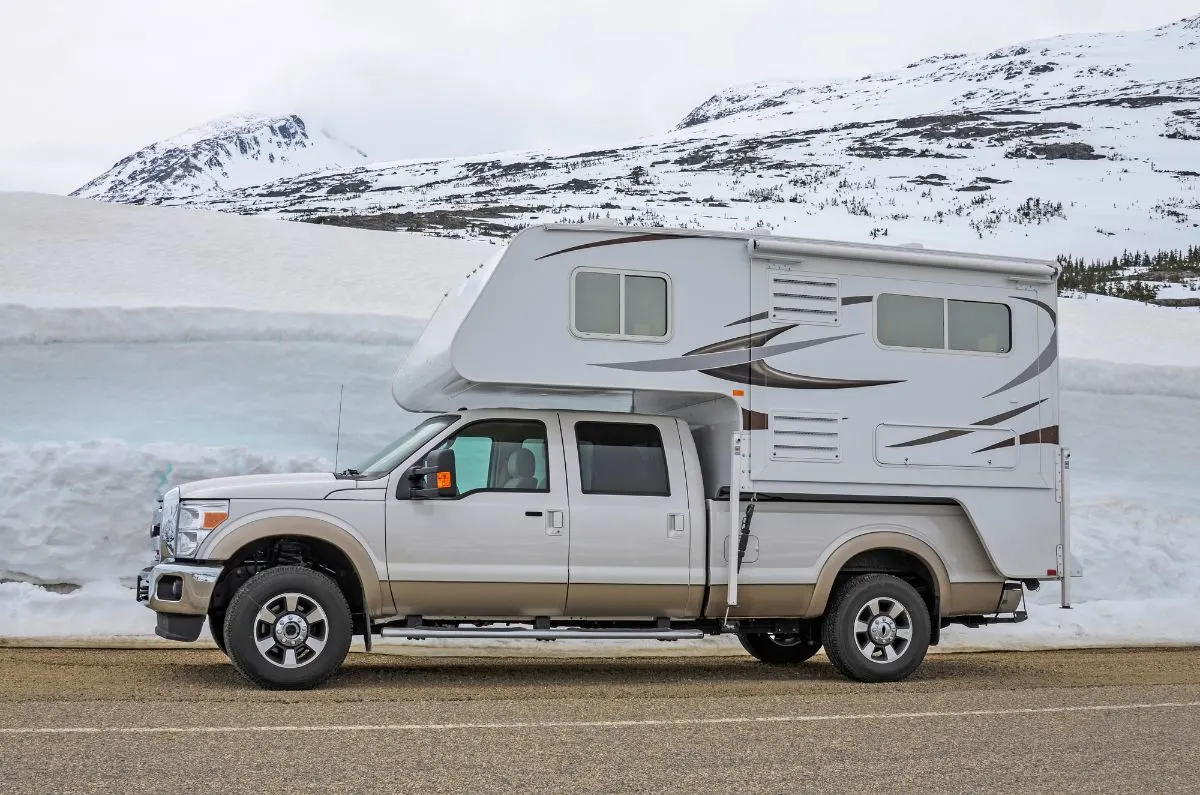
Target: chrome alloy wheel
(290, 630)
(883, 630)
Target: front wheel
(876, 629)
(288, 628)
(778, 648)
(216, 627)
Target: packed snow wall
(100, 418)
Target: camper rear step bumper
(982, 621)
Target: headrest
(521, 463)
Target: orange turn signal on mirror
(212, 520)
(444, 480)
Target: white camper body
(859, 373)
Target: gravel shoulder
(105, 720)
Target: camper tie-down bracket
(739, 528)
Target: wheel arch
(881, 540)
(328, 535)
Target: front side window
(616, 305)
(622, 458)
(500, 455)
(918, 321)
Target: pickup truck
(548, 524)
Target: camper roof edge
(763, 244)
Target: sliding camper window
(622, 458)
(918, 321)
(625, 305)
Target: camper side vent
(803, 298)
(805, 437)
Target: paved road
(91, 720)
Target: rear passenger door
(630, 535)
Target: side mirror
(438, 465)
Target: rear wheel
(288, 628)
(876, 628)
(779, 648)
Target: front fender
(303, 523)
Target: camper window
(917, 321)
(620, 305)
(622, 458)
(911, 321)
(979, 326)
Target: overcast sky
(86, 82)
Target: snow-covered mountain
(223, 154)
(1083, 145)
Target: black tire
(216, 628)
(310, 619)
(855, 652)
(779, 649)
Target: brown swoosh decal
(942, 436)
(756, 340)
(1042, 304)
(1047, 435)
(754, 420)
(615, 242)
(751, 319)
(850, 300)
(760, 373)
(1044, 360)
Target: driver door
(498, 549)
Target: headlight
(196, 520)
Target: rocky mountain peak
(223, 154)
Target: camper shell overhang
(476, 350)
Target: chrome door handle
(676, 525)
(554, 523)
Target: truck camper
(640, 433)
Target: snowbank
(102, 298)
(80, 512)
(29, 325)
(103, 609)
(59, 251)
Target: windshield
(390, 457)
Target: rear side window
(622, 458)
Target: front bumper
(180, 593)
(180, 588)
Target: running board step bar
(422, 633)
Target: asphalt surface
(160, 721)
